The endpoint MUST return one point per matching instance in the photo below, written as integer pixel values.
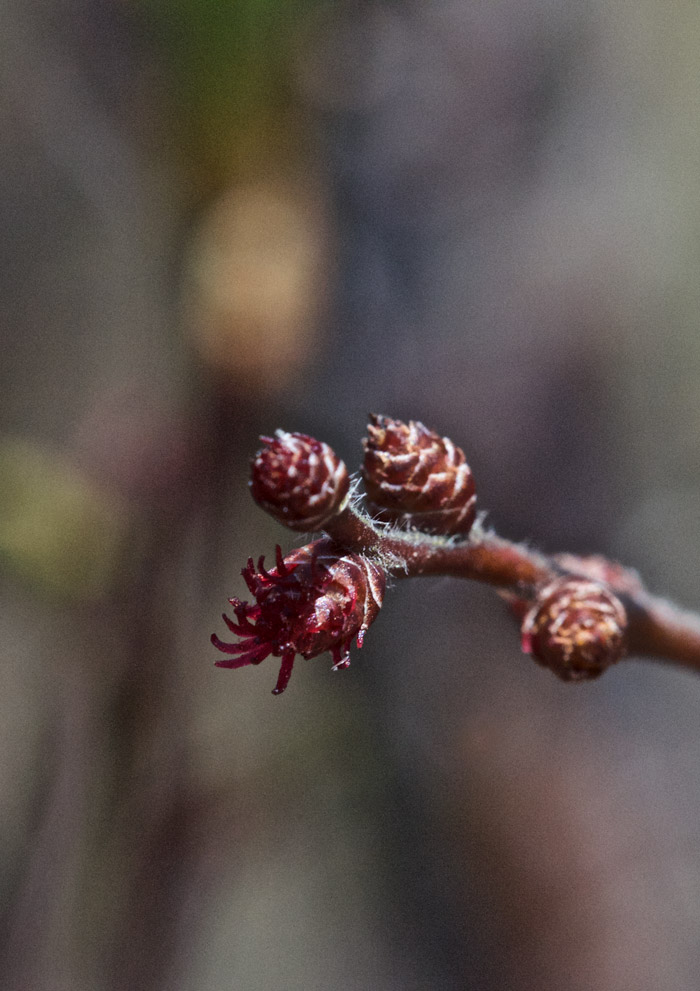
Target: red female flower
(315, 599)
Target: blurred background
(220, 217)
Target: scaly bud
(315, 599)
(414, 476)
(298, 480)
(576, 627)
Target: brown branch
(657, 629)
(482, 557)
(661, 630)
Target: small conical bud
(576, 627)
(299, 480)
(316, 599)
(414, 476)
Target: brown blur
(220, 218)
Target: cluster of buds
(325, 595)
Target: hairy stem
(657, 629)
(482, 556)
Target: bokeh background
(223, 216)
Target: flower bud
(416, 477)
(576, 627)
(298, 480)
(314, 600)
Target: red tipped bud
(414, 476)
(300, 481)
(314, 600)
(576, 627)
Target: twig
(578, 615)
(657, 629)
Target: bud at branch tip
(417, 478)
(299, 480)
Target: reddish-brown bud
(624, 581)
(576, 627)
(298, 480)
(414, 476)
(315, 599)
